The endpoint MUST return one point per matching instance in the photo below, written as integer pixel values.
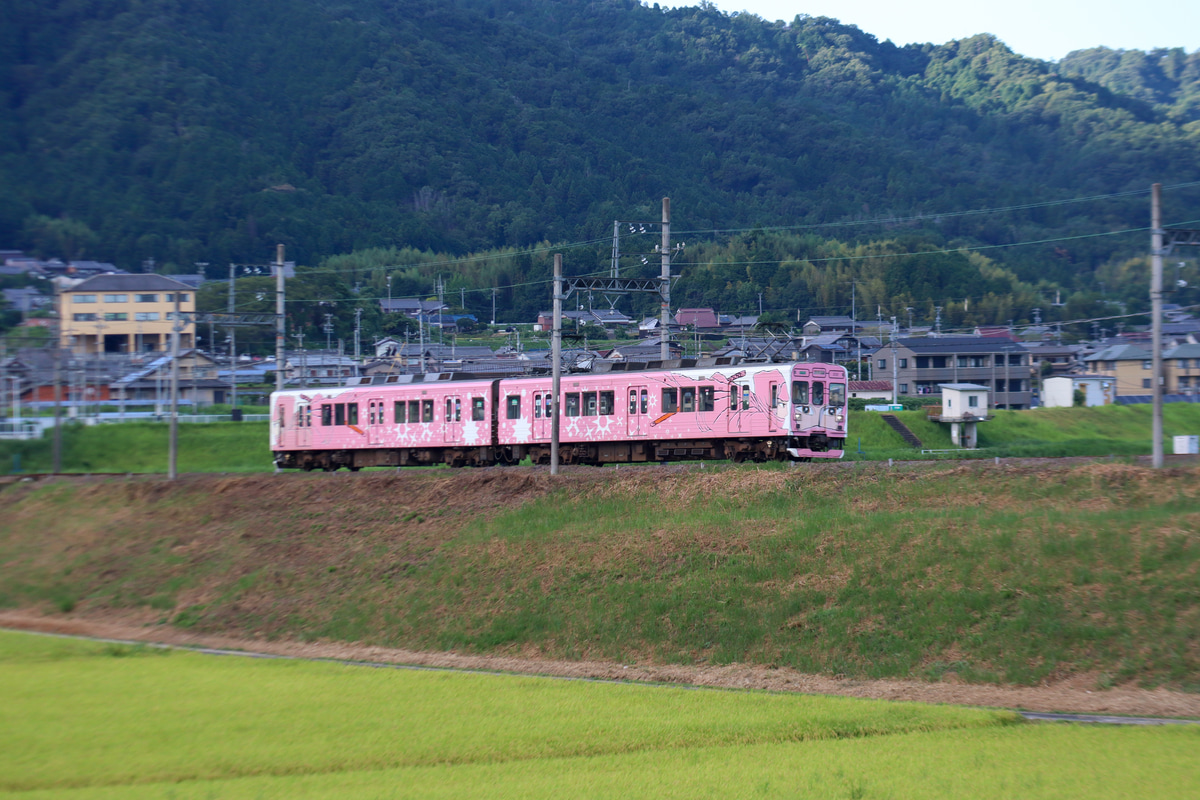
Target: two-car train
(755, 412)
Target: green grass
(90, 720)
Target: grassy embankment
(242, 446)
(994, 574)
(89, 720)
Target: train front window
(818, 393)
(800, 393)
(837, 394)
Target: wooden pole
(556, 363)
(1156, 279)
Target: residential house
(871, 390)
(1181, 369)
(199, 383)
(1059, 391)
(833, 324)
(923, 364)
(1130, 365)
(124, 314)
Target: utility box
(1187, 445)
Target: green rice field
(95, 720)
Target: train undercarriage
(759, 450)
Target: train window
(745, 398)
(818, 394)
(687, 399)
(327, 414)
(572, 405)
(837, 394)
(477, 409)
(774, 395)
(414, 411)
(632, 402)
(426, 411)
(733, 397)
(458, 409)
(514, 407)
(608, 402)
(547, 404)
(449, 410)
(706, 399)
(371, 412)
(537, 406)
(800, 393)
(399, 412)
(645, 402)
(352, 413)
(670, 401)
(339, 414)
(589, 404)
(308, 416)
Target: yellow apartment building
(124, 314)
(1132, 367)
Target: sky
(1047, 30)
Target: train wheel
(354, 469)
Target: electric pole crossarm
(612, 285)
(221, 318)
(1179, 237)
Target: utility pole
(303, 360)
(232, 343)
(441, 290)
(895, 368)
(665, 348)
(493, 306)
(1156, 273)
(556, 362)
(173, 442)
(328, 326)
(280, 332)
(357, 331)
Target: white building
(1098, 390)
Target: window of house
(670, 400)
(85, 298)
(1015, 359)
(426, 411)
(922, 362)
(961, 361)
(973, 400)
(1145, 383)
(904, 388)
(707, 401)
(902, 363)
(1015, 385)
(116, 298)
(398, 410)
(146, 316)
(1181, 363)
(589, 404)
(145, 298)
(800, 393)
(939, 362)
(1000, 385)
(881, 363)
(513, 407)
(183, 297)
(571, 406)
(1146, 364)
(119, 316)
(608, 403)
(85, 317)
(687, 399)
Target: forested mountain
(208, 130)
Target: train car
(744, 412)
(386, 421)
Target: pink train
(742, 412)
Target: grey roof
(1121, 352)
(130, 283)
(1183, 351)
(963, 386)
(959, 344)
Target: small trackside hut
(743, 412)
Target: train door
(279, 423)
(375, 429)
(541, 416)
(304, 425)
(453, 423)
(638, 421)
(777, 401)
(741, 398)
